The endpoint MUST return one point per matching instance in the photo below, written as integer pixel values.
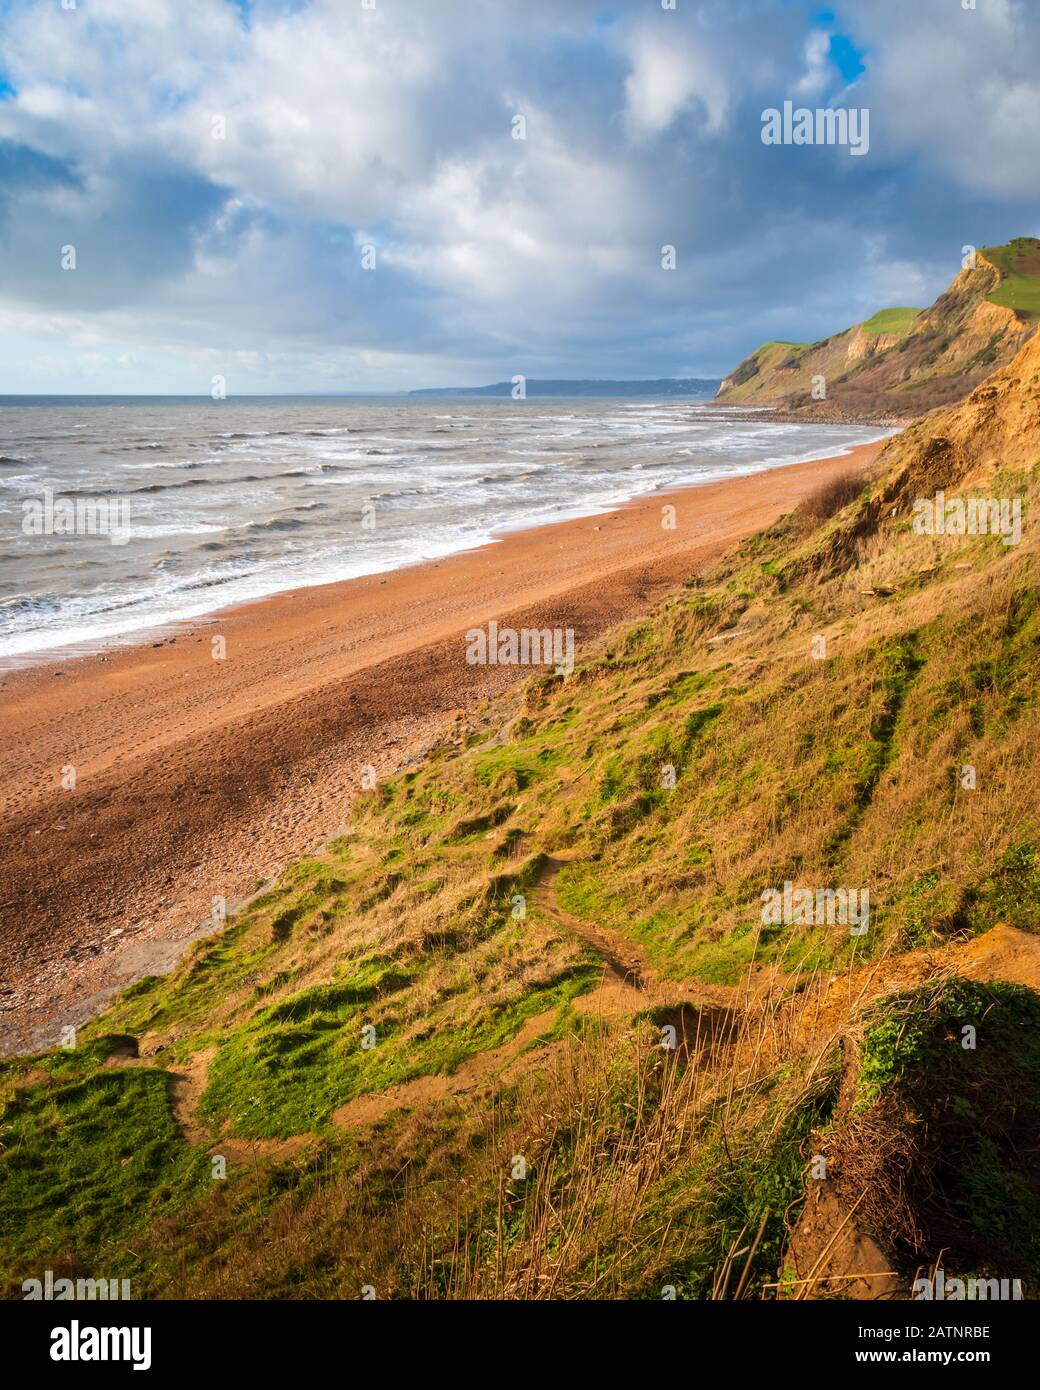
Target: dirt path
(476, 1074)
(623, 958)
(628, 986)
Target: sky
(322, 195)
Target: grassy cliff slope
(522, 1031)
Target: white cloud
(526, 230)
(817, 64)
(668, 76)
(957, 89)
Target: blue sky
(221, 166)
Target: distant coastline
(699, 388)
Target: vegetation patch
(941, 1151)
(85, 1167)
(291, 1066)
(890, 321)
(1019, 288)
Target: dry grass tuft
(829, 499)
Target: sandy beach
(198, 778)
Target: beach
(145, 782)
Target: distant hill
(903, 362)
(662, 386)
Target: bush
(831, 496)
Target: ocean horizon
(221, 503)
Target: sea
(213, 503)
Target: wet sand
(198, 778)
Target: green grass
(1011, 893)
(86, 1167)
(797, 348)
(292, 1065)
(1020, 288)
(890, 321)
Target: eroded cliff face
(996, 427)
(938, 358)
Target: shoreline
(198, 778)
(172, 626)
